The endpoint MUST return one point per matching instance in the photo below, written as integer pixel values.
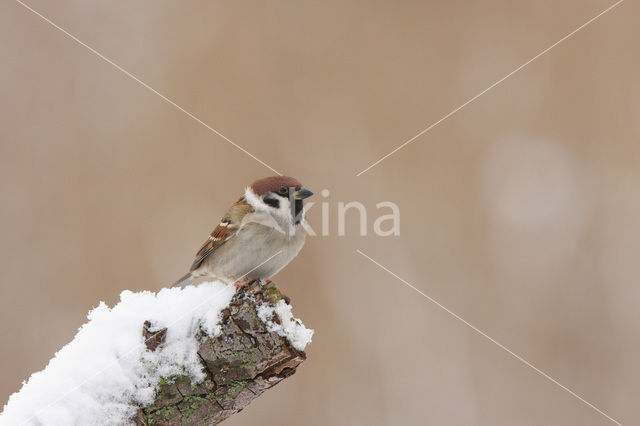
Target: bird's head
(281, 196)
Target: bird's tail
(186, 280)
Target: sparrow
(257, 237)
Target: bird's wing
(226, 229)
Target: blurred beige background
(519, 213)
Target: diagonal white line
(490, 87)
(133, 77)
(500, 345)
(55, 401)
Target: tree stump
(242, 362)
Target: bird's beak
(302, 193)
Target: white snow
(94, 379)
(291, 328)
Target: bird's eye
(283, 190)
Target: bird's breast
(257, 251)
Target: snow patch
(95, 378)
(288, 326)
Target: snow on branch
(182, 356)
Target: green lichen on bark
(241, 363)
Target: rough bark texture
(241, 363)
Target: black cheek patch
(272, 202)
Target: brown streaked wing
(221, 234)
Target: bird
(258, 236)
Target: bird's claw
(264, 282)
(241, 283)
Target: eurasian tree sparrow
(257, 237)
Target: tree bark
(241, 363)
